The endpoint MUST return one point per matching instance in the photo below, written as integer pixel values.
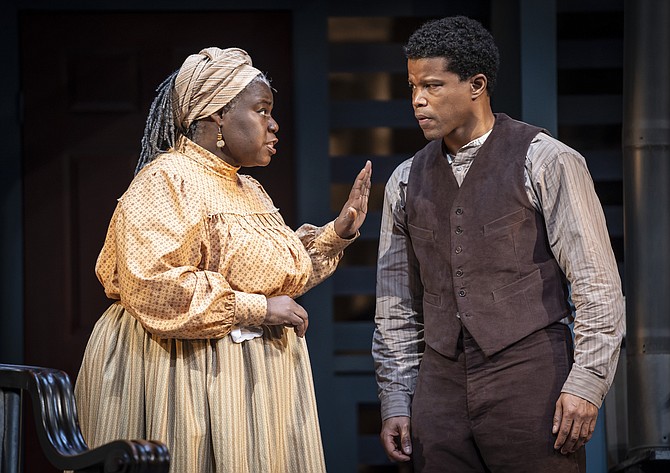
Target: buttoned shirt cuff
(586, 385)
(329, 243)
(395, 404)
(250, 309)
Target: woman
(203, 348)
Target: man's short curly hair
(467, 46)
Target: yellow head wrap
(209, 80)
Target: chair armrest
(58, 427)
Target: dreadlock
(160, 133)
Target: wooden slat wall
(590, 88)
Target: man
(484, 231)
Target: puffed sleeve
(325, 249)
(153, 261)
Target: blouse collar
(204, 157)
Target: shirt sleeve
(151, 261)
(398, 342)
(325, 249)
(580, 242)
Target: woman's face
(249, 130)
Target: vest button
(461, 293)
(458, 249)
(459, 230)
(459, 211)
(459, 273)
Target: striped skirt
(219, 406)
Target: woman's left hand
(355, 208)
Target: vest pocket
(507, 221)
(432, 299)
(420, 233)
(517, 286)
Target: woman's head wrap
(209, 80)
(204, 84)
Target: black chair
(58, 428)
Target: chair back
(58, 429)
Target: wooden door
(87, 82)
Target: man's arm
(580, 242)
(397, 343)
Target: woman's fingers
(282, 310)
(302, 321)
(355, 208)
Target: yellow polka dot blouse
(194, 248)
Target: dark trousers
(479, 414)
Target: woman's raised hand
(282, 310)
(355, 208)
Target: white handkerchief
(242, 334)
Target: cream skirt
(219, 406)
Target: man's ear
(478, 84)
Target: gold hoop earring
(219, 139)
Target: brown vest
(482, 249)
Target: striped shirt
(559, 186)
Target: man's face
(443, 104)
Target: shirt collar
(467, 151)
(477, 142)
